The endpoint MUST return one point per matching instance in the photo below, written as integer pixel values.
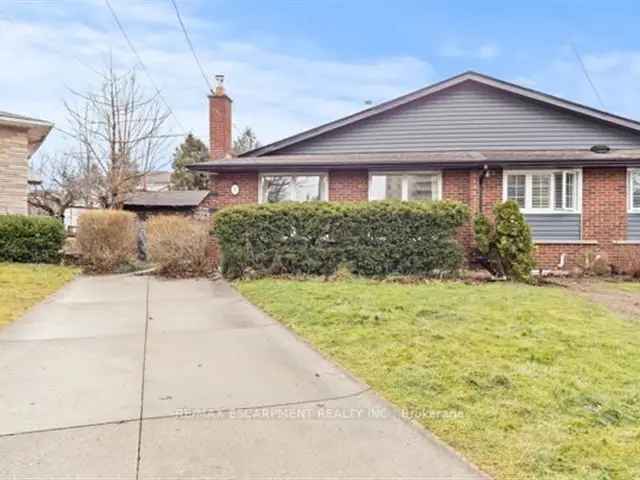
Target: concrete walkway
(135, 377)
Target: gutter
(18, 122)
(485, 174)
(279, 166)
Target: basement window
(543, 191)
(413, 186)
(305, 187)
(634, 190)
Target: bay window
(634, 190)
(415, 186)
(276, 188)
(543, 191)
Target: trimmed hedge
(26, 239)
(371, 238)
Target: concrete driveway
(135, 377)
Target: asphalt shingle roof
(178, 198)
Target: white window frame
(405, 182)
(324, 178)
(630, 173)
(529, 192)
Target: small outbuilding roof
(175, 199)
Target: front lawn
(24, 285)
(626, 287)
(526, 382)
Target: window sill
(626, 242)
(549, 212)
(565, 242)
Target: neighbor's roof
(12, 117)
(158, 177)
(437, 87)
(37, 130)
(440, 159)
(178, 198)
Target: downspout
(485, 174)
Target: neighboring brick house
(574, 170)
(20, 137)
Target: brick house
(20, 137)
(574, 170)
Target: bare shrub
(630, 264)
(107, 240)
(179, 245)
(592, 263)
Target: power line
(142, 64)
(193, 51)
(586, 74)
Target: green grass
(527, 382)
(24, 285)
(625, 287)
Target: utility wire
(193, 51)
(586, 74)
(142, 64)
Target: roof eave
(37, 130)
(404, 166)
(154, 205)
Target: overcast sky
(291, 65)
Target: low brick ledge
(626, 242)
(566, 242)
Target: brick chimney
(219, 121)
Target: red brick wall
(604, 204)
(604, 214)
(456, 187)
(348, 186)
(464, 186)
(492, 191)
(221, 186)
(344, 186)
(603, 211)
(219, 125)
(604, 219)
(548, 256)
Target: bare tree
(62, 186)
(120, 130)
